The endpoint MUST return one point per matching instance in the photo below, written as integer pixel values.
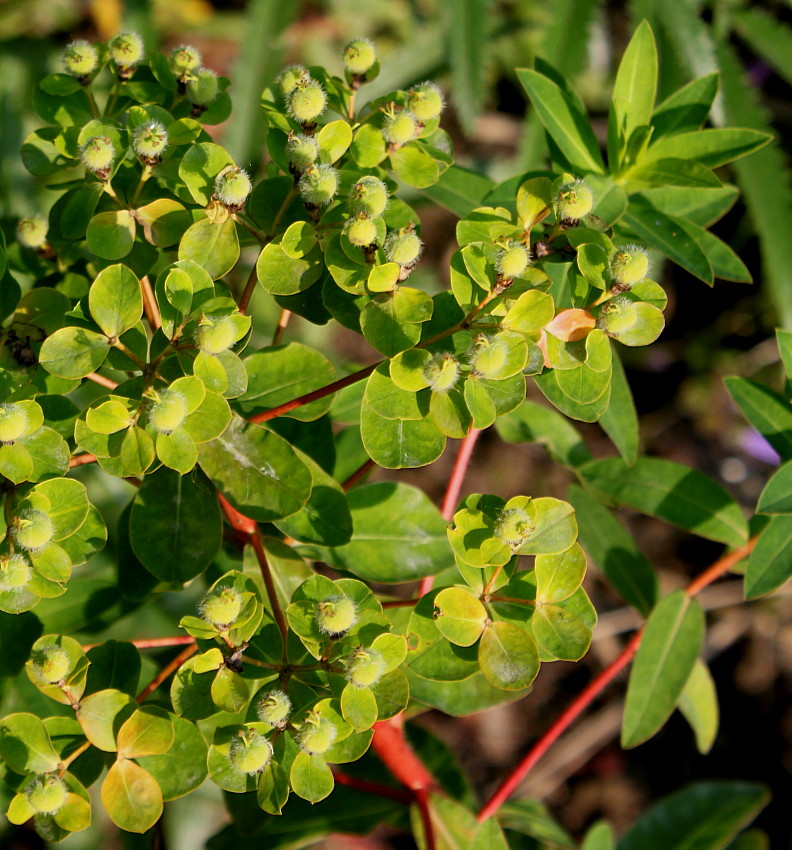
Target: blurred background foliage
(471, 48)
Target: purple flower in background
(756, 446)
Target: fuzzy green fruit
(221, 609)
(203, 87)
(80, 58)
(214, 336)
(369, 196)
(47, 795)
(318, 185)
(512, 261)
(365, 668)
(359, 55)
(361, 231)
(126, 49)
(274, 708)
(403, 247)
(316, 735)
(13, 422)
(149, 141)
(425, 101)
(307, 102)
(291, 77)
(629, 265)
(98, 154)
(32, 232)
(336, 616)
(15, 572)
(488, 357)
(573, 201)
(33, 530)
(232, 187)
(441, 372)
(51, 663)
(302, 151)
(169, 412)
(184, 59)
(250, 753)
(513, 526)
(398, 128)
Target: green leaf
(200, 167)
(560, 633)
(550, 388)
(533, 423)
(776, 498)
(490, 837)
(559, 576)
(766, 410)
(25, 744)
(704, 815)
(459, 189)
(334, 140)
(101, 715)
(148, 732)
(699, 704)
(212, 245)
(508, 656)
(311, 778)
(599, 837)
(398, 535)
(400, 444)
(282, 274)
(283, 372)
(175, 527)
(460, 616)
(115, 300)
(183, 768)
(687, 108)
(620, 420)
(614, 551)
(359, 707)
(73, 352)
(711, 147)
(770, 564)
(671, 643)
(672, 492)
(636, 80)
(257, 471)
(229, 691)
(563, 120)
(163, 221)
(414, 166)
(111, 234)
(468, 31)
(131, 797)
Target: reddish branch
(153, 643)
(375, 788)
(169, 668)
(361, 472)
(101, 380)
(593, 690)
(81, 460)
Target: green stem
(130, 354)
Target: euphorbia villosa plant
(127, 346)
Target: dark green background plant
(192, 404)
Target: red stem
(169, 668)
(590, 693)
(359, 473)
(81, 460)
(453, 490)
(398, 756)
(153, 643)
(375, 788)
(422, 801)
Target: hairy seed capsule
(51, 663)
(15, 572)
(13, 422)
(512, 261)
(214, 336)
(573, 201)
(629, 265)
(32, 530)
(319, 184)
(488, 356)
(32, 232)
(398, 128)
(317, 735)
(307, 102)
(126, 49)
(369, 196)
(336, 616)
(425, 101)
(80, 58)
(149, 141)
(361, 231)
(47, 794)
(441, 372)
(202, 87)
(359, 55)
(167, 414)
(403, 246)
(98, 154)
(302, 151)
(250, 753)
(232, 187)
(274, 708)
(365, 668)
(221, 609)
(291, 77)
(514, 526)
(184, 59)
